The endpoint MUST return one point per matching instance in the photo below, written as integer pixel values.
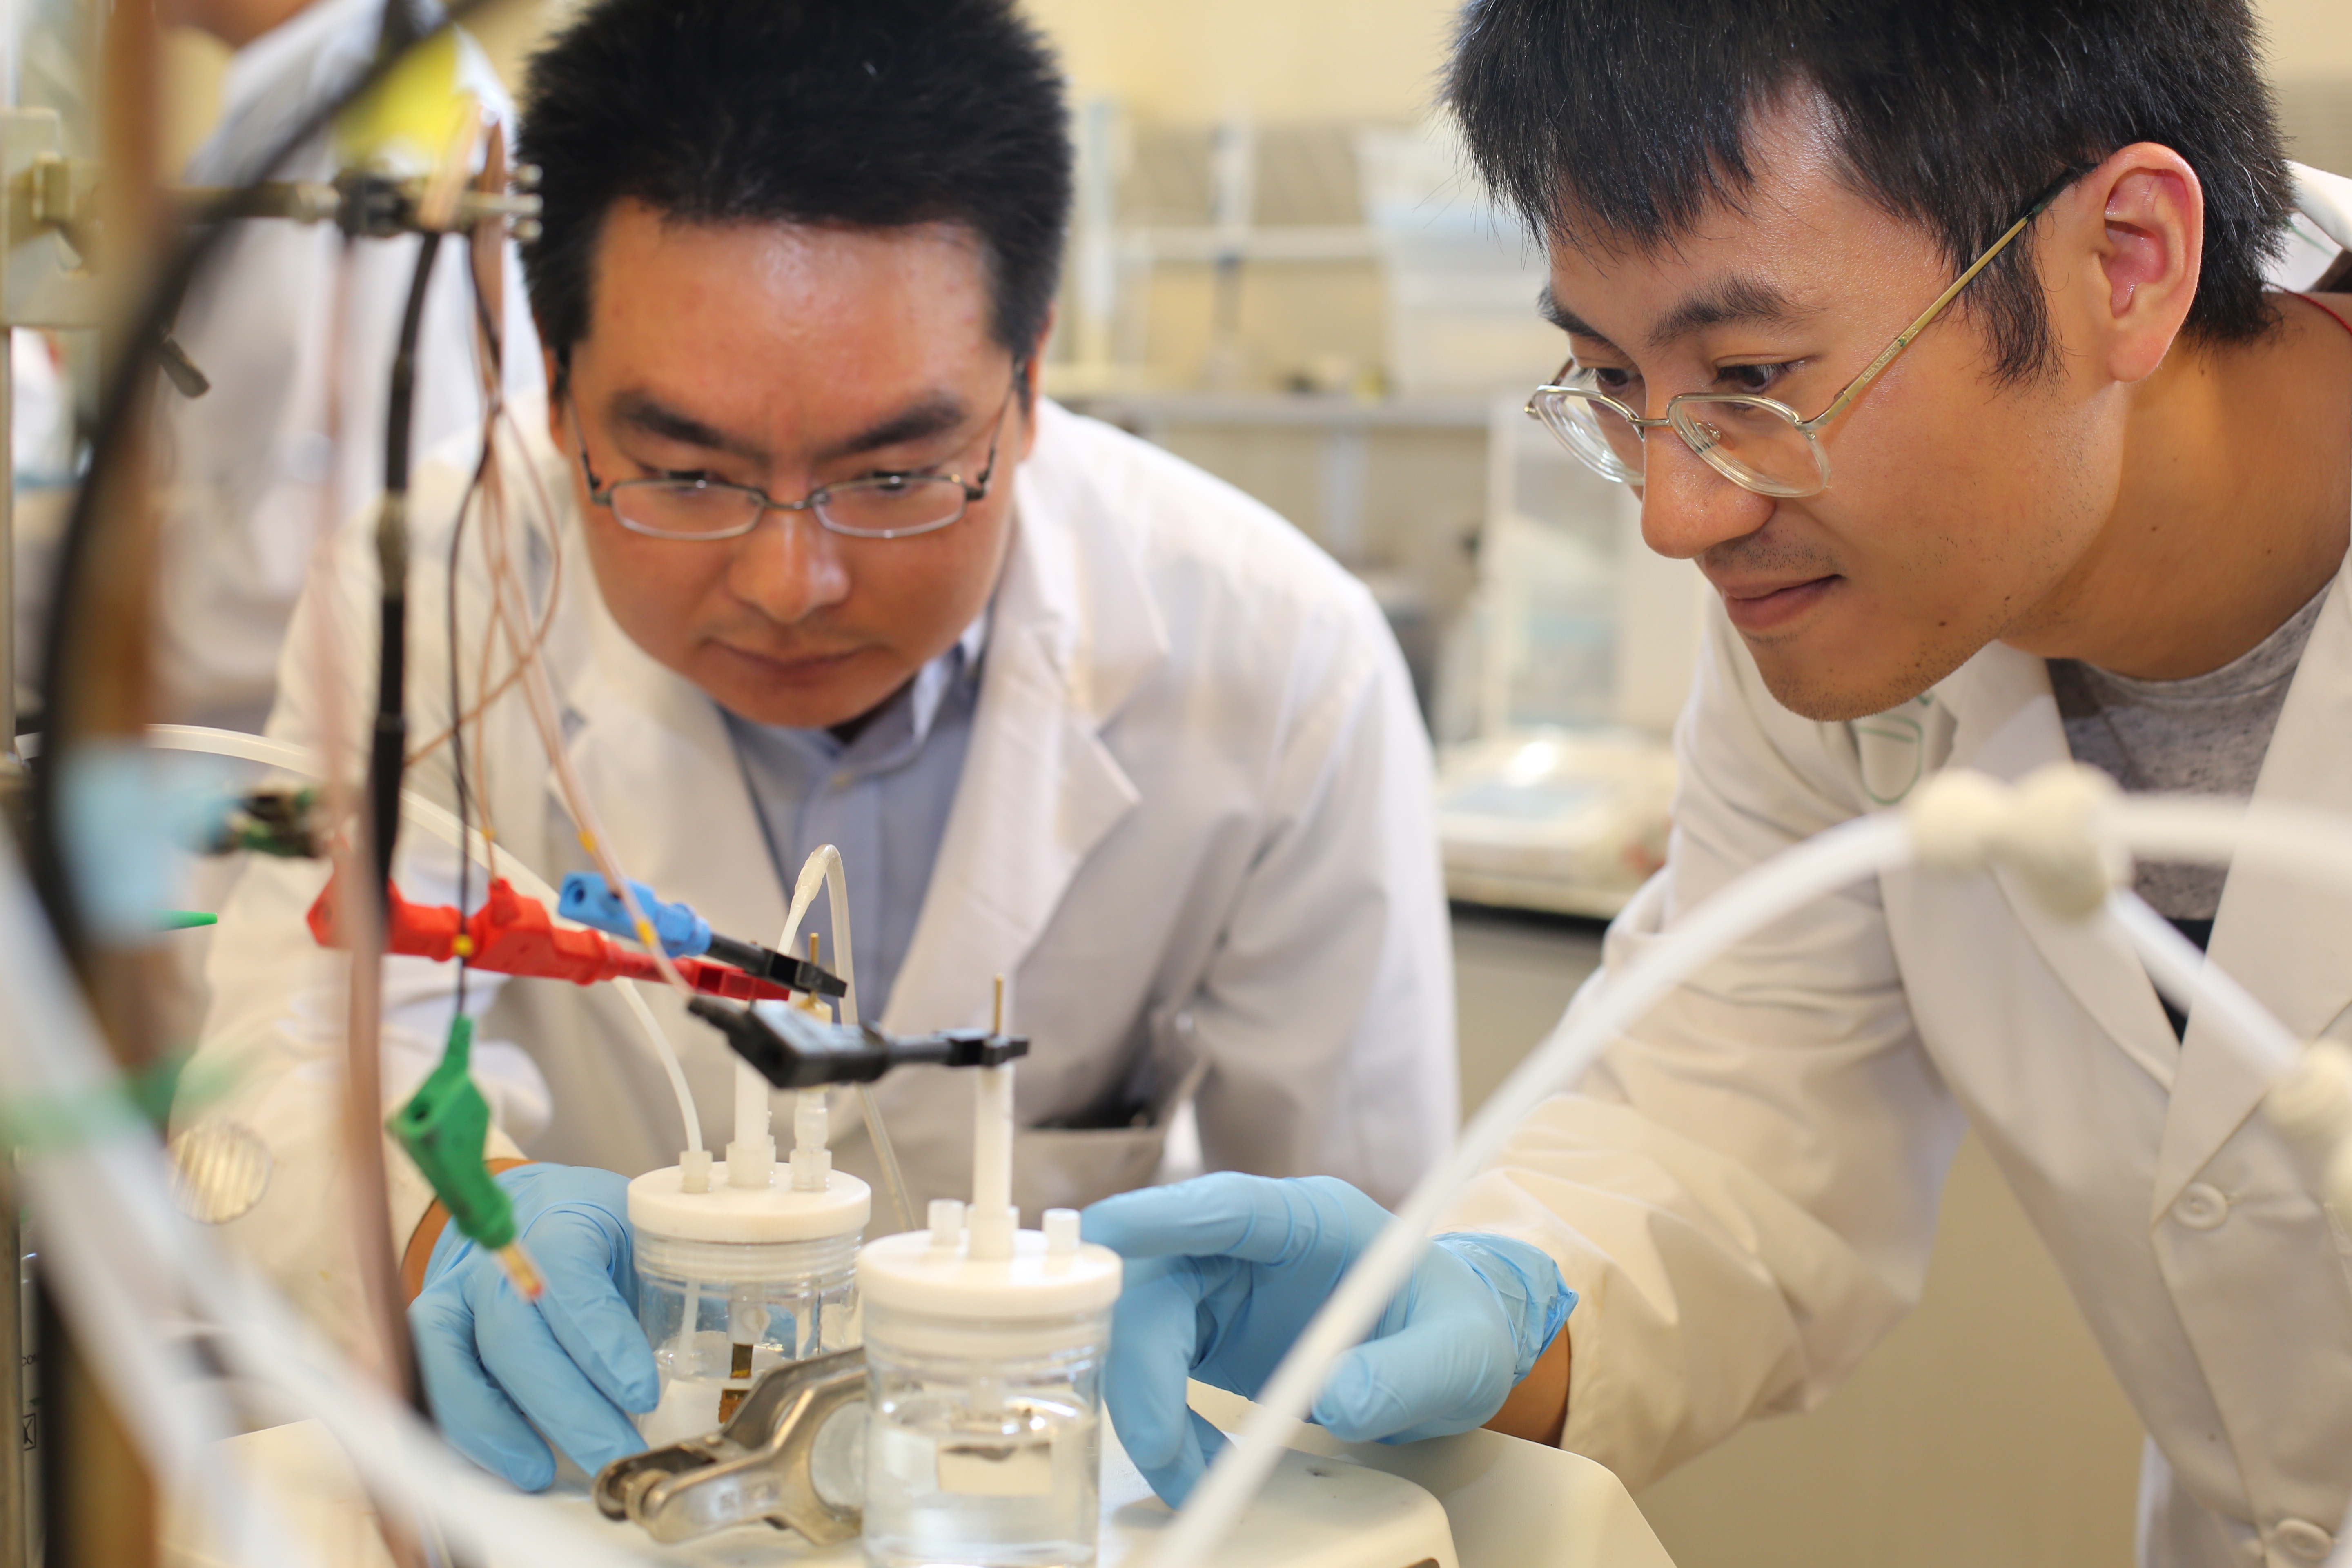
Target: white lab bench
(1478, 1500)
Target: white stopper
(694, 1171)
(1060, 1233)
(812, 1160)
(947, 1223)
(992, 1233)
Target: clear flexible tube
(1820, 865)
(824, 865)
(443, 825)
(2292, 838)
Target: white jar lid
(908, 1273)
(658, 1202)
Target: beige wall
(1279, 59)
(1377, 59)
(2309, 38)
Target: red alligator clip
(510, 934)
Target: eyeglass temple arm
(1861, 384)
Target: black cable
(457, 692)
(389, 755)
(96, 510)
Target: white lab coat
(1193, 825)
(295, 333)
(1744, 1193)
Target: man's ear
(2138, 223)
(1033, 373)
(552, 362)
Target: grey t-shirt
(2207, 733)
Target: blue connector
(587, 899)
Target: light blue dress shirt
(882, 799)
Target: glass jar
(734, 1280)
(984, 1444)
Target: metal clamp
(793, 1454)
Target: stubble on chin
(1831, 691)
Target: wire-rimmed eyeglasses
(1756, 442)
(879, 506)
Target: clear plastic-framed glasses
(880, 506)
(1756, 442)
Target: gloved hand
(572, 1363)
(1223, 1273)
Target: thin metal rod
(19, 1434)
(7, 545)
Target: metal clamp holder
(794, 1050)
(760, 1466)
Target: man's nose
(1687, 508)
(788, 568)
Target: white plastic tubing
(143, 1282)
(431, 818)
(824, 868)
(2096, 827)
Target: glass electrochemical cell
(717, 1315)
(734, 1280)
(983, 1443)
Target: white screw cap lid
(913, 1273)
(659, 1202)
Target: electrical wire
(389, 752)
(431, 817)
(458, 751)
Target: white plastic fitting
(2042, 829)
(947, 1223)
(812, 1160)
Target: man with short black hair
(1939, 337)
(831, 571)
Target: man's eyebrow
(1730, 300)
(932, 414)
(928, 416)
(1560, 316)
(657, 418)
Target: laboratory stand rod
(16, 1445)
(7, 545)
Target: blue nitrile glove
(496, 1366)
(1223, 1273)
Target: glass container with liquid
(734, 1280)
(983, 1445)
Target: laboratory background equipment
(1550, 649)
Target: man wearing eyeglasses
(823, 567)
(1940, 338)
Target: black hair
(1616, 122)
(873, 114)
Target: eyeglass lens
(897, 506)
(1751, 443)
